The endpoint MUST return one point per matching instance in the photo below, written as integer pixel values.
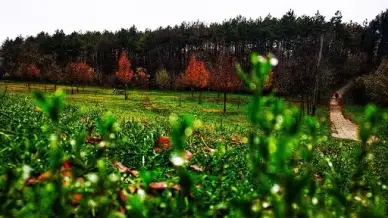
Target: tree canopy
(348, 49)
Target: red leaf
(162, 144)
(44, 176)
(66, 165)
(76, 199)
(31, 181)
(66, 171)
(122, 210)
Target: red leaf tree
(79, 73)
(142, 78)
(124, 72)
(224, 77)
(31, 73)
(197, 74)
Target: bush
(162, 79)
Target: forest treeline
(332, 51)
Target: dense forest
(333, 52)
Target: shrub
(162, 79)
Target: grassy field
(153, 107)
(222, 179)
(150, 106)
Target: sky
(29, 17)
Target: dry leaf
(132, 188)
(93, 140)
(163, 186)
(196, 167)
(188, 155)
(158, 185)
(123, 195)
(211, 150)
(124, 169)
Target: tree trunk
(125, 92)
(45, 88)
(224, 102)
(219, 95)
(28, 85)
(302, 104)
(55, 87)
(239, 101)
(72, 90)
(180, 98)
(77, 89)
(199, 97)
(316, 85)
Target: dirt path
(340, 126)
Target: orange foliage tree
(31, 72)
(224, 77)
(79, 73)
(124, 72)
(142, 78)
(197, 74)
